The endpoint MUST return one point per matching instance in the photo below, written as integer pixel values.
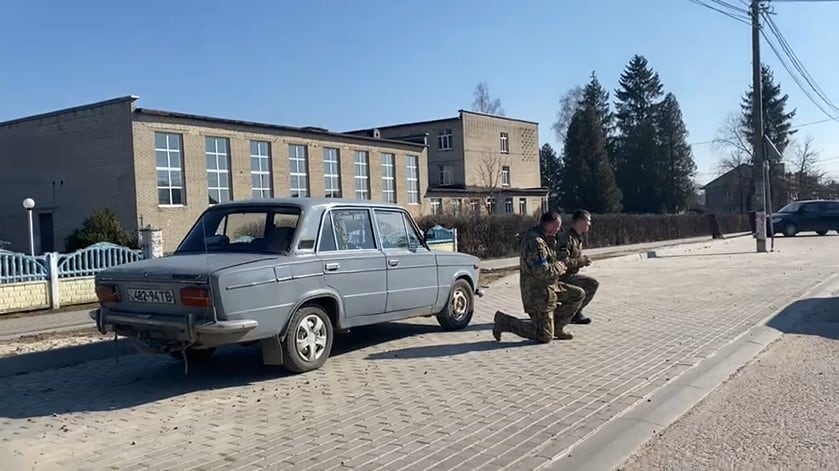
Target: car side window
(327, 236)
(353, 229)
(414, 238)
(810, 208)
(391, 229)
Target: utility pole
(759, 200)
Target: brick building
(477, 162)
(163, 169)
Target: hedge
(492, 236)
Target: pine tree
(635, 144)
(587, 179)
(549, 168)
(777, 126)
(675, 158)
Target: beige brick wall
(483, 150)
(24, 296)
(86, 152)
(77, 291)
(176, 221)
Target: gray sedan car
(285, 274)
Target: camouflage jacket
(569, 249)
(540, 269)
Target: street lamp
(29, 203)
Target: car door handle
(393, 262)
(332, 266)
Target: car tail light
(107, 294)
(195, 297)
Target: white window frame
(436, 205)
(445, 140)
(389, 177)
(261, 168)
(361, 163)
(412, 167)
(174, 164)
(332, 172)
(505, 176)
(505, 143)
(508, 206)
(298, 168)
(214, 158)
(446, 173)
(523, 205)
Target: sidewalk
(11, 328)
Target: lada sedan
(285, 274)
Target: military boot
(563, 334)
(498, 327)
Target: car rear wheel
(790, 230)
(309, 340)
(461, 306)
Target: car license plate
(157, 296)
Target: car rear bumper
(187, 327)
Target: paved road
(408, 396)
(11, 328)
(779, 412)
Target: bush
(491, 236)
(101, 226)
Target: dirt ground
(51, 340)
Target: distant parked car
(819, 216)
(285, 274)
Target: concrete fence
(55, 279)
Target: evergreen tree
(675, 158)
(549, 168)
(587, 179)
(636, 144)
(597, 98)
(777, 126)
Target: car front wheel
(790, 230)
(309, 340)
(461, 306)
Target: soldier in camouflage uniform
(549, 302)
(570, 252)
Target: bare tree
(490, 171)
(733, 142)
(483, 103)
(808, 176)
(567, 107)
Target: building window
(170, 181)
(508, 205)
(544, 205)
(505, 176)
(388, 178)
(413, 179)
(457, 206)
(261, 169)
(298, 170)
(444, 140)
(522, 205)
(362, 175)
(505, 143)
(218, 169)
(446, 172)
(436, 205)
(332, 172)
(490, 204)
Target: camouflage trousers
(587, 283)
(543, 325)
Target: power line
(712, 141)
(729, 13)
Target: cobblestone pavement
(408, 396)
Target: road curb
(608, 446)
(63, 357)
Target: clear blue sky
(352, 64)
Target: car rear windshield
(255, 230)
(790, 208)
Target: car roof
(308, 203)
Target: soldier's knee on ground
(575, 294)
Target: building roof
(461, 112)
(89, 106)
(310, 130)
(726, 176)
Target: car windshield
(237, 229)
(790, 208)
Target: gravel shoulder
(777, 412)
